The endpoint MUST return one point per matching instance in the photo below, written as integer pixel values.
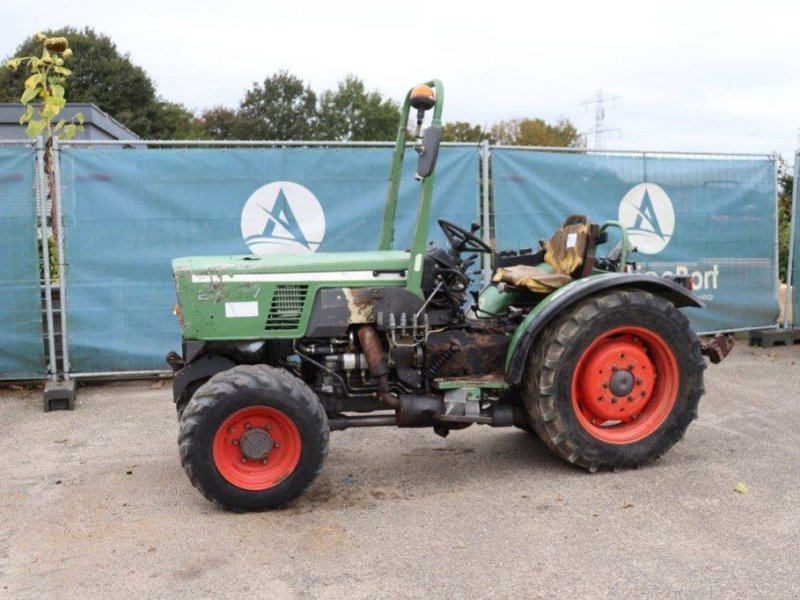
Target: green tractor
(566, 342)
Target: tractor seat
(568, 255)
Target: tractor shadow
(425, 466)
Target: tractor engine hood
(225, 267)
(261, 297)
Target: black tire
(553, 368)
(225, 395)
(183, 401)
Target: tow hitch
(717, 347)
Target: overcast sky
(700, 75)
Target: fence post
(59, 394)
(62, 264)
(790, 299)
(487, 234)
(41, 194)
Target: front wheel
(253, 438)
(616, 381)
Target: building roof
(97, 124)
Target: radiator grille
(287, 307)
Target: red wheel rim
(625, 385)
(256, 448)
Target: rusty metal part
(377, 363)
(718, 347)
(373, 350)
(461, 352)
(175, 361)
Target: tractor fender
(202, 367)
(563, 298)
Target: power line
(599, 101)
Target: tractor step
(493, 381)
(775, 337)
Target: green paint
(390, 208)
(203, 301)
(457, 384)
(623, 256)
(492, 302)
(547, 301)
(294, 263)
(419, 239)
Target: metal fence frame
(484, 149)
(62, 271)
(41, 195)
(793, 242)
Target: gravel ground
(94, 503)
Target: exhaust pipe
(377, 364)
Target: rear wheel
(253, 438)
(616, 381)
(183, 401)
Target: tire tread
(540, 387)
(228, 382)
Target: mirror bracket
(429, 152)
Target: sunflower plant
(43, 96)
(44, 99)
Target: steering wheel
(462, 240)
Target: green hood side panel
(537, 310)
(270, 297)
(294, 263)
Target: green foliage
(282, 108)
(220, 123)
(536, 132)
(462, 131)
(350, 113)
(110, 80)
(53, 256)
(171, 120)
(43, 88)
(516, 132)
(785, 183)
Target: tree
(220, 123)
(110, 80)
(171, 120)
(349, 113)
(462, 131)
(282, 108)
(536, 132)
